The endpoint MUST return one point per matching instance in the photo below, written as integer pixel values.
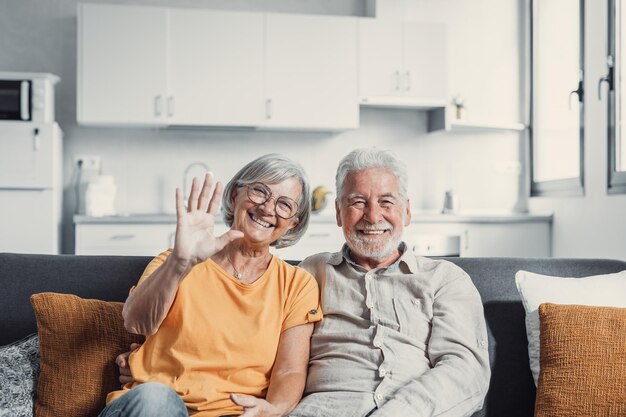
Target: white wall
(593, 225)
(485, 67)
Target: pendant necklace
(238, 275)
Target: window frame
(616, 180)
(566, 187)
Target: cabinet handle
(158, 109)
(397, 76)
(36, 139)
(268, 108)
(170, 106)
(408, 80)
(122, 237)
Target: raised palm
(195, 239)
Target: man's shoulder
(318, 260)
(446, 270)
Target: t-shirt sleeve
(303, 305)
(152, 266)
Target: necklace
(239, 275)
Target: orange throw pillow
(582, 361)
(78, 342)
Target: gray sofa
(511, 394)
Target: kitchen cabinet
(150, 235)
(203, 67)
(527, 239)
(122, 75)
(123, 238)
(402, 63)
(184, 67)
(311, 72)
(215, 69)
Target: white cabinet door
(402, 59)
(311, 72)
(526, 239)
(123, 239)
(424, 60)
(122, 61)
(380, 58)
(215, 68)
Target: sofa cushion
(583, 361)
(535, 289)
(19, 368)
(79, 340)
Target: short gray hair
(365, 158)
(271, 169)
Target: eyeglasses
(260, 193)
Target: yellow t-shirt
(221, 335)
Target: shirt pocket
(414, 317)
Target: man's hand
(255, 407)
(122, 363)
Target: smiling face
(259, 222)
(373, 214)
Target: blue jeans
(151, 399)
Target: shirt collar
(406, 259)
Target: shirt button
(379, 397)
(314, 311)
(382, 371)
(376, 343)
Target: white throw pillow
(534, 289)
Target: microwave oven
(27, 96)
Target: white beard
(373, 248)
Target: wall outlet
(89, 162)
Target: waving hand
(195, 239)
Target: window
(616, 73)
(557, 114)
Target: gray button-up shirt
(406, 340)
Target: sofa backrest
(512, 391)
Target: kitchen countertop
(425, 216)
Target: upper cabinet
(184, 67)
(311, 72)
(122, 75)
(402, 63)
(159, 66)
(215, 68)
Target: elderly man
(402, 335)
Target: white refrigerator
(30, 187)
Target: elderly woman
(228, 324)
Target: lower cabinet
(511, 239)
(150, 239)
(499, 239)
(123, 238)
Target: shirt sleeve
(458, 380)
(303, 305)
(154, 264)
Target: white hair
(366, 158)
(271, 169)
